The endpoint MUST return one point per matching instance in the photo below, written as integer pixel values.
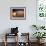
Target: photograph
(18, 13)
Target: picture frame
(18, 13)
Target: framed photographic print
(41, 12)
(18, 13)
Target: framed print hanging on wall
(18, 13)
(41, 12)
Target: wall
(24, 25)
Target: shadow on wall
(7, 31)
